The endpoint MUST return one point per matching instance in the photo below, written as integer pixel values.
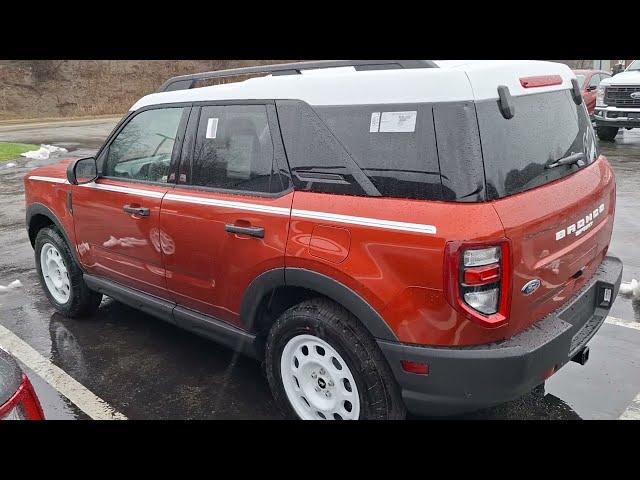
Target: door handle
(251, 231)
(140, 211)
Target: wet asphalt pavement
(147, 369)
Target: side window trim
(280, 163)
(104, 150)
(189, 145)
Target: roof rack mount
(185, 82)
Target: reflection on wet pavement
(147, 369)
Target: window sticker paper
(398, 121)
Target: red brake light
(481, 275)
(24, 404)
(541, 81)
(478, 280)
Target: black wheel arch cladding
(313, 281)
(38, 209)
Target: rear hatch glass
(546, 128)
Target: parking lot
(121, 363)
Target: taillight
(478, 280)
(23, 405)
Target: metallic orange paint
(119, 245)
(209, 268)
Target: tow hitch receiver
(582, 357)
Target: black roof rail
(185, 82)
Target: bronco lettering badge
(581, 225)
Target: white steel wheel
(55, 273)
(317, 380)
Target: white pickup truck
(618, 103)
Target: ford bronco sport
(618, 103)
(387, 236)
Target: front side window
(595, 81)
(143, 148)
(234, 150)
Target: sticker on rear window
(398, 121)
(374, 127)
(212, 127)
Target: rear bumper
(469, 378)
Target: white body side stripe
(365, 221)
(119, 189)
(48, 179)
(253, 207)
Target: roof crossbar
(185, 82)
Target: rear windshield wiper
(569, 160)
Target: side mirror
(83, 170)
(591, 88)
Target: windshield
(635, 66)
(580, 80)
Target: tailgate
(560, 233)
(554, 195)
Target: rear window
(546, 127)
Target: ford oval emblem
(531, 286)
(635, 95)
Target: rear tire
(607, 134)
(321, 363)
(61, 277)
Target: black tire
(607, 134)
(378, 390)
(82, 300)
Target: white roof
(455, 80)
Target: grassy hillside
(69, 88)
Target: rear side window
(368, 150)
(317, 160)
(234, 150)
(394, 145)
(546, 127)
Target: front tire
(60, 276)
(322, 364)
(607, 134)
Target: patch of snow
(11, 286)
(631, 289)
(44, 152)
(11, 165)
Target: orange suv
(387, 236)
